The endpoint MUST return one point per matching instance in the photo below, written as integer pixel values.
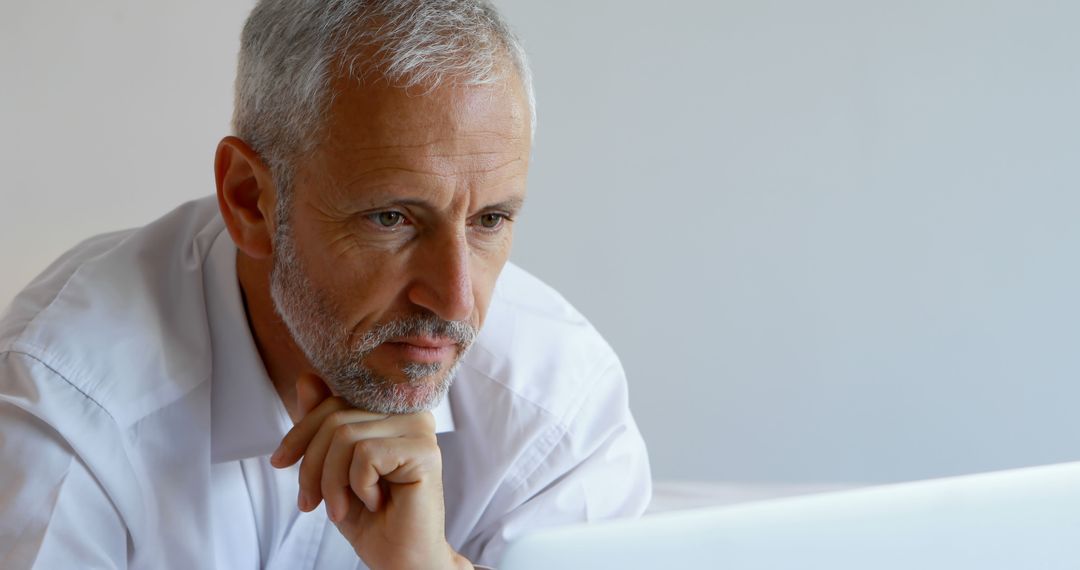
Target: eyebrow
(511, 205)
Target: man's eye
(491, 221)
(388, 219)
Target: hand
(381, 478)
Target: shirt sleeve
(597, 470)
(53, 513)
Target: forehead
(451, 120)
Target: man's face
(400, 223)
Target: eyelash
(503, 219)
(404, 220)
(374, 218)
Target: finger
(350, 526)
(335, 480)
(310, 392)
(407, 460)
(398, 461)
(296, 441)
(324, 472)
(314, 447)
(348, 425)
(364, 476)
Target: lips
(422, 350)
(424, 342)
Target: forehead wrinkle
(489, 169)
(495, 176)
(434, 155)
(453, 141)
(439, 148)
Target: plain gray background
(833, 241)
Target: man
(264, 379)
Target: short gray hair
(292, 50)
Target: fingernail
(303, 501)
(332, 511)
(276, 457)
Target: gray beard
(325, 341)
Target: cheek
(361, 279)
(485, 274)
(363, 284)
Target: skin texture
(405, 207)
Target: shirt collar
(247, 416)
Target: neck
(284, 361)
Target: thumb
(310, 392)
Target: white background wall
(832, 241)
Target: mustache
(460, 333)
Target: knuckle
(337, 417)
(343, 433)
(364, 449)
(427, 448)
(429, 438)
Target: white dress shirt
(136, 418)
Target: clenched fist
(381, 478)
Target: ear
(246, 196)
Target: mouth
(425, 342)
(424, 350)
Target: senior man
(332, 364)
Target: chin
(422, 397)
(395, 391)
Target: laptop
(1018, 519)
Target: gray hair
(292, 50)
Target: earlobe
(246, 196)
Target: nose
(443, 281)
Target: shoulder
(110, 315)
(112, 332)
